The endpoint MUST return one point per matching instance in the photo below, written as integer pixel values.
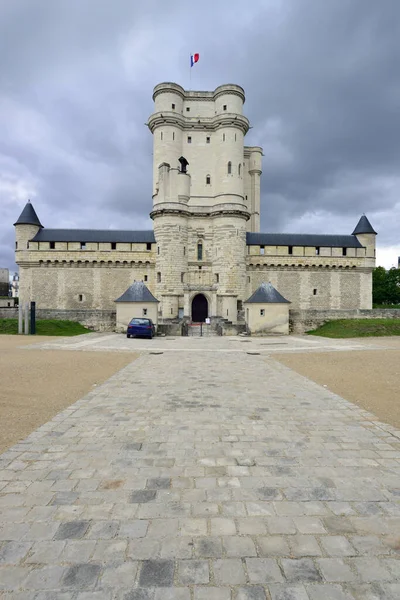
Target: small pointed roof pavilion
(28, 216)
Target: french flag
(194, 58)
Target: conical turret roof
(28, 216)
(364, 226)
(267, 294)
(137, 292)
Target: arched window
(229, 168)
(239, 169)
(199, 251)
(208, 179)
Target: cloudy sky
(322, 79)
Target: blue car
(141, 328)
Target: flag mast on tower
(194, 58)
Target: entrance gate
(199, 309)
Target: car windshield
(139, 322)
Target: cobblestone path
(203, 476)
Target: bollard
(33, 318)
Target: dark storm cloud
(323, 95)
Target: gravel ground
(36, 385)
(369, 378)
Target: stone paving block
(110, 550)
(193, 572)
(44, 578)
(45, 552)
(239, 546)
(329, 592)
(158, 483)
(335, 570)
(229, 571)
(189, 527)
(250, 592)
(13, 552)
(156, 573)
(205, 509)
(370, 569)
(285, 592)
(13, 532)
(144, 548)
(100, 595)
(103, 530)
(172, 594)
(72, 530)
(369, 545)
(41, 531)
(274, 545)
(81, 576)
(309, 525)
(300, 570)
(119, 575)
(208, 547)
(251, 526)
(133, 529)
(176, 547)
(281, 525)
(78, 550)
(255, 509)
(221, 526)
(142, 496)
(304, 545)
(263, 570)
(337, 545)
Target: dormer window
(52, 245)
(262, 250)
(113, 245)
(344, 251)
(290, 249)
(83, 245)
(317, 249)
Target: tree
(386, 286)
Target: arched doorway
(199, 308)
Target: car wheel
(127, 335)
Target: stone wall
(98, 320)
(301, 321)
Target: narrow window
(262, 250)
(187, 109)
(83, 245)
(172, 311)
(27, 245)
(207, 139)
(317, 251)
(52, 245)
(314, 291)
(184, 250)
(229, 168)
(161, 135)
(16, 245)
(199, 251)
(145, 278)
(173, 106)
(235, 137)
(227, 312)
(248, 279)
(173, 135)
(189, 140)
(216, 277)
(158, 249)
(246, 197)
(80, 298)
(148, 246)
(262, 312)
(223, 137)
(144, 312)
(208, 180)
(239, 305)
(290, 249)
(113, 245)
(182, 277)
(344, 251)
(199, 268)
(239, 169)
(225, 107)
(158, 277)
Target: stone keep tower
(201, 211)
(26, 227)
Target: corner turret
(366, 235)
(26, 227)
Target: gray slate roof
(28, 216)
(364, 226)
(94, 235)
(137, 292)
(266, 294)
(302, 239)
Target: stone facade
(206, 215)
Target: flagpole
(190, 72)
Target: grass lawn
(349, 328)
(45, 327)
(387, 306)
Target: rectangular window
(248, 279)
(83, 245)
(216, 277)
(52, 245)
(159, 277)
(145, 278)
(262, 249)
(182, 277)
(187, 109)
(207, 139)
(262, 312)
(225, 107)
(148, 246)
(199, 251)
(317, 251)
(173, 135)
(290, 249)
(189, 140)
(144, 312)
(113, 245)
(314, 291)
(184, 250)
(223, 137)
(16, 245)
(344, 251)
(158, 249)
(80, 298)
(173, 106)
(208, 180)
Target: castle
(206, 255)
